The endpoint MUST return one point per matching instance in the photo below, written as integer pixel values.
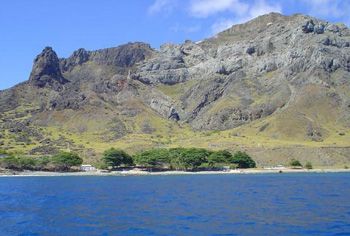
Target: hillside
(277, 86)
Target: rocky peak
(256, 25)
(78, 57)
(125, 55)
(46, 70)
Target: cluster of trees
(178, 159)
(160, 158)
(174, 158)
(63, 161)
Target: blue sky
(26, 27)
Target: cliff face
(46, 70)
(281, 78)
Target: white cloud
(187, 29)
(334, 8)
(261, 7)
(204, 8)
(257, 8)
(161, 6)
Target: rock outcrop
(46, 70)
(78, 58)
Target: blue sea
(256, 204)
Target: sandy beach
(141, 172)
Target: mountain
(277, 86)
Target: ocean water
(260, 204)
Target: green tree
(295, 163)
(65, 160)
(220, 157)
(153, 158)
(308, 165)
(243, 160)
(188, 158)
(175, 158)
(116, 157)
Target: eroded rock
(46, 70)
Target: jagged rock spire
(46, 69)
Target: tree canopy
(243, 160)
(116, 157)
(191, 158)
(295, 163)
(153, 158)
(222, 157)
(188, 158)
(175, 158)
(66, 160)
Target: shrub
(27, 163)
(308, 165)
(243, 160)
(19, 163)
(295, 163)
(101, 165)
(42, 163)
(2, 152)
(116, 157)
(10, 162)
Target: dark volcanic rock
(44, 150)
(308, 27)
(174, 115)
(22, 128)
(125, 55)
(46, 70)
(251, 50)
(78, 57)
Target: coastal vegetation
(116, 157)
(295, 163)
(243, 160)
(192, 159)
(63, 161)
(308, 165)
(186, 159)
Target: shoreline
(146, 173)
